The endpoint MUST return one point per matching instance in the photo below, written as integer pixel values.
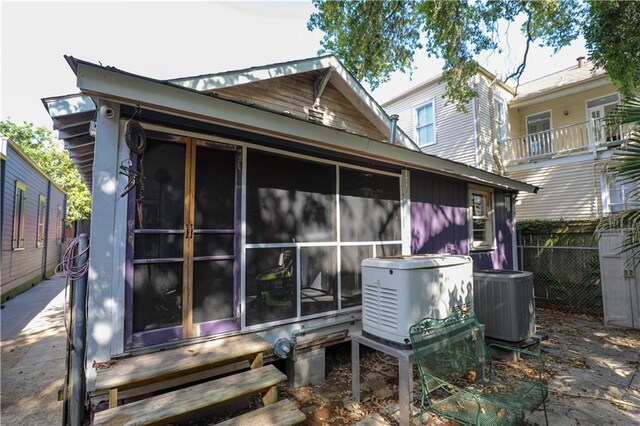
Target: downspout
(392, 130)
(46, 232)
(476, 124)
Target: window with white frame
(499, 119)
(426, 124)
(481, 227)
(42, 220)
(617, 194)
(19, 215)
(539, 133)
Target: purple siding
(439, 221)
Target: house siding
(439, 221)
(454, 130)
(294, 94)
(22, 266)
(575, 105)
(568, 191)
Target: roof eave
(128, 88)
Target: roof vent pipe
(394, 124)
(580, 61)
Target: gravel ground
(592, 374)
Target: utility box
(399, 291)
(504, 303)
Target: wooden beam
(319, 85)
(258, 361)
(113, 397)
(271, 396)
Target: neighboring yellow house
(558, 141)
(549, 132)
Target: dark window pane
(157, 296)
(212, 290)
(318, 279)
(271, 285)
(213, 244)
(369, 206)
(289, 199)
(154, 246)
(351, 274)
(383, 250)
(215, 188)
(162, 165)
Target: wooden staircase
(164, 369)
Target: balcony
(588, 136)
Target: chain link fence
(566, 271)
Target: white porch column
(405, 211)
(101, 257)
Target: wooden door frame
(187, 329)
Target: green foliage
(625, 163)
(554, 226)
(38, 144)
(376, 38)
(612, 35)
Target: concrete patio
(33, 355)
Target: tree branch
(518, 72)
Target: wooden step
(158, 366)
(282, 413)
(174, 405)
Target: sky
(177, 39)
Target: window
(499, 119)
(539, 133)
(617, 195)
(481, 226)
(42, 220)
(426, 124)
(59, 227)
(19, 214)
(597, 110)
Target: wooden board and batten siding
(25, 266)
(294, 94)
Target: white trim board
(134, 90)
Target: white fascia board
(71, 104)
(134, 90)
(586, 157)
(211, 82)
(560, 92)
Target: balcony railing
(585, 136)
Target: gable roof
(109, 83)
(438, 79)
(339, 76)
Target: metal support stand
(405, 372)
